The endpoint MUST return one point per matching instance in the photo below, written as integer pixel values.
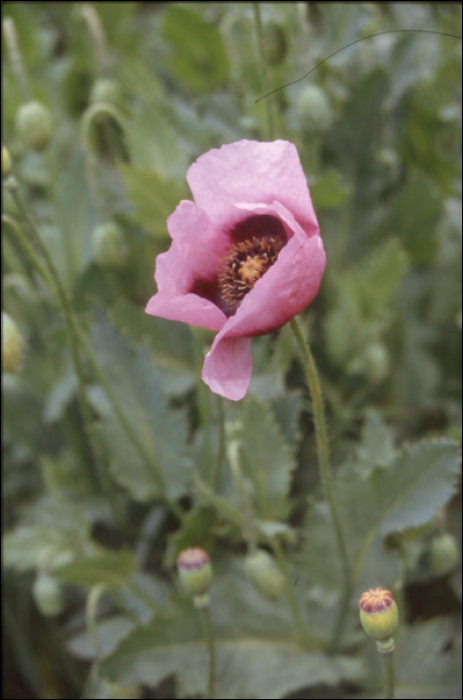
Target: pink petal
(287, 287)
(227, 367)
(283, 292)
(250, 171)
(188, 308)
(194, 254)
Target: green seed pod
(379, 617)
(195, 570)
(443, 554)
(314, 110)
(263, 573)
(48, 595)
(275, 45)
(106, 90)
(11, 344)
(376, 362)
(34, 125)
(109, 245)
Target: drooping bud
(263, 573)
(195, 573)
(34, 125)
(379, 617)
(48, 595)
(11, 344)
(443, 554)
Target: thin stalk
(28, 249)
(208, 634)
(263, 70)
(51, 277)
(203, 406)
(77, 339)
(304, 638)
(96, 31)
(152, 466)
(221, 444)
(388, 675)
(324, 468)
(14, 53)
(91, 616)
(250, 534)
(235, 466)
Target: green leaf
(428, 661)
(413, 216)
(287, 411)
(170, 343)
(198, 59)
(267, 461)
(255, 654)
(98, 565)
(408, 492)
(330, 190)
(110, 633)
(72, 249)
(374, 281)
(149, 457)
(376, 446)
(50, 532)
(153, 197)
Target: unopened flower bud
(379, 617)
(195, 570)
(110, 245)
(376, 362)
(6, 161)
(11, 344)
(48, 595)
(34, 125)
(263, 573)
(106, 90)
(275, 45)
(314, 110)
(443, 554)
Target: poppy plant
(246, 255)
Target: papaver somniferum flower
(246, 255)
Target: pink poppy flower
(246, 255)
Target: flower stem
(203, 406)
(206, 623)
(95, 28)
(91, 616)
(235, 466)
(221, 444)
(50, 274)
(14, 53)
(388, 675)
(324, 467)
(304, 638)
(78, 340)
(264, 71)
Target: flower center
(246, 263)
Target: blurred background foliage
(135, 92)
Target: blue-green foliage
(107, 476)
